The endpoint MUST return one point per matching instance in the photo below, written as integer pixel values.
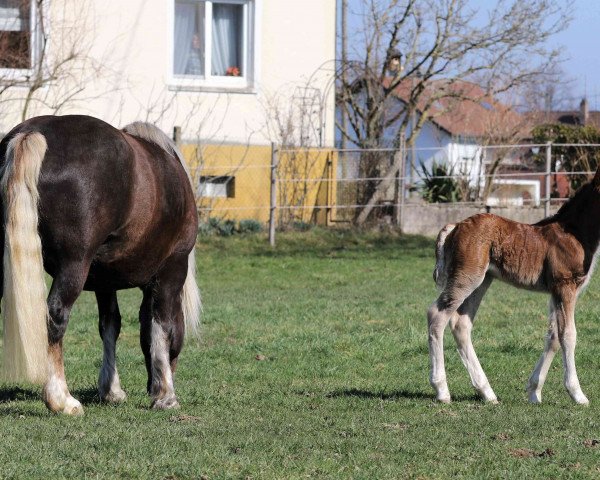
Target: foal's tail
(25, 308)
(190, 295)
(439, 273)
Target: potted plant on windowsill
(232, 72)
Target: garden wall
(428, 219)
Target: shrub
(227, 228)
(249, 226)
(438, 184)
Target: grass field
(313, 364)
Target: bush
(301, 226)
(249, 226)
(227, 228)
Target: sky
(581, 47)
(582, 51)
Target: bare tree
(552, 91)
(45, 56)
(296, 127)
(501, 48)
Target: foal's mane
(571, 207)
(153, 134)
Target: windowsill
(241, 85)
(212, 89)
(18, 77)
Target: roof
(464, 109)
(567, 117)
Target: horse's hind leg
(66, 287)
(109, 385)
(461, 324)
(162, 331)
(551, 346)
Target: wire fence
(295, 186)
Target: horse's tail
(190, 295)
(439, 273)
(25, 308)
(190, 298)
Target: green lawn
(313, 363)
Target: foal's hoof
(444, 399)
(581, 400)
(165, 403)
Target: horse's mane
(153, 134)
(190, 298)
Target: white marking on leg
(162, 390)
(109, 384)
(571, 381)
(56, 393)
(437, 321)
(461, 326)
(540, 372)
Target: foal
(555, 255)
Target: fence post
(273, 202)
(548, 173)
(177, 135)
(399, 186)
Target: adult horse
(556, 256)
(99, 209)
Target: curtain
(226, 38)
(185, 27)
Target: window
(16, 36)
(217, 187)
(213, 43)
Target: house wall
(305, 187)
(127, 77)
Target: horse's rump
(122, 203)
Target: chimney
(584, 112)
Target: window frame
(209, 82)
(35, 45)
(227, 181)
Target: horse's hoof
(534, 398)
(444, 399)
(73, 407)
(165, 403)
(113, 396)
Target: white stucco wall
(130, 43)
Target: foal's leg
(461, 324)
(438, 316)
(551, 346)
(567, 336)
(66, 287)
(109, 385)
(162, 331)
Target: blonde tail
(25, 309)
(190, 298)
